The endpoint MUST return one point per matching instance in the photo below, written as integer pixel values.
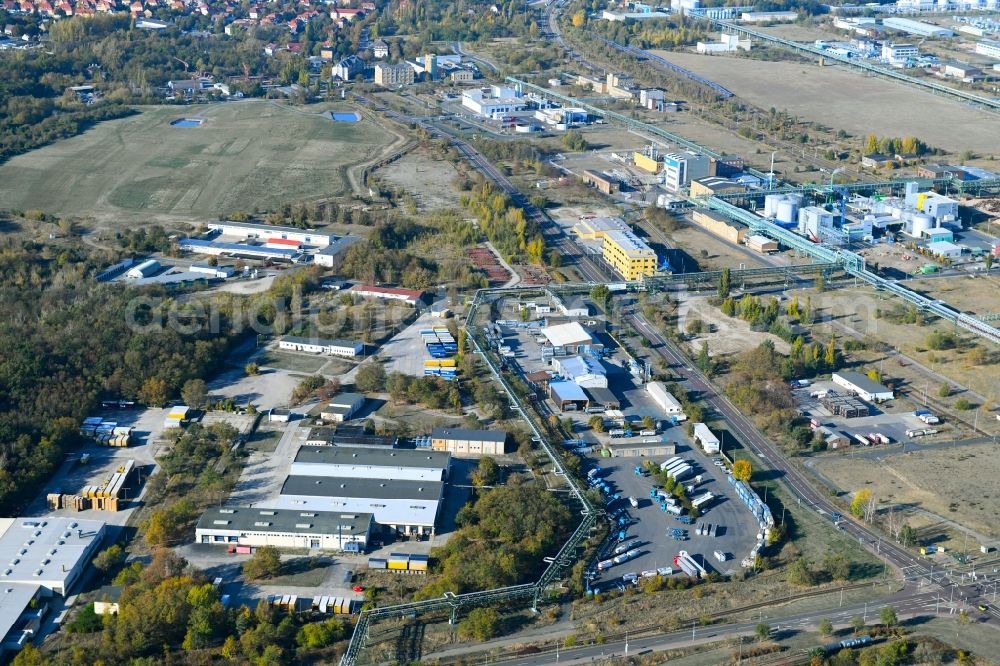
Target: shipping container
(377, 563)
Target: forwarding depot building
(469, 442)
(403, 489)
(407, 507)
(284, 528)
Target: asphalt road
(901, 560)
(906, 604)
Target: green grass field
(246, 155)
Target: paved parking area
(891, 418)
(406, 351)
(735, 529)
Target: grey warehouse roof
(284, 521)
(333, 486)
(331, 455)
(469, 435)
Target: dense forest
(68, 342)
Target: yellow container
(646, 163)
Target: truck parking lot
(650, 527)
(892, 419)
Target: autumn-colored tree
(579, 18)
(153, 392)
(742, 470)
(859, 505)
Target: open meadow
(845, 99)
(245, 155)
(949, 485)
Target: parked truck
(689, 565)
(702, 500)
(634, 502)
(680, 472)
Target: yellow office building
(629, 255)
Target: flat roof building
(916, 27)
(628, 255)
(408, 507)
(461, 441)
(19, 622)
(587, 372)
(711, 185)
(568, 396)
(352, 438)
(409, 296)
(945, 250)
(363, 463)
(705, 438)
(662, 397)
(248, 231)
(244, 250)
(346, 348)
(862, 386)
(571, 338)
(284, 528)
(720, 225)
(595, 228)
(342, 407)
(493, 101)
(51, 551)
(390, 76)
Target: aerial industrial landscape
(560, 332)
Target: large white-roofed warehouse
(284, 528)
(357, 463)
(403, 489)
(408, 507)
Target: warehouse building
(667, 402)
(51, 552)
(22, 608)
(143, 270)
(586, 372)
(602, 397)
(572, 338)
(284, 528)
(461, 441)
(241, 250)
(712, 185)
(720, 225)
(408, 296)
(268, 232)
(568, 396)
(349, 437)
(628, 255)
(945, 250)
(342, 407)
(602, 181)
(359, 463)
(345, 348)
(761, 244)
(407, 507)
(640, 449)
(916, 27)
(862, 386)
(705, 438)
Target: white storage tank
(771, 204)
(787, 211)
(921, 223)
